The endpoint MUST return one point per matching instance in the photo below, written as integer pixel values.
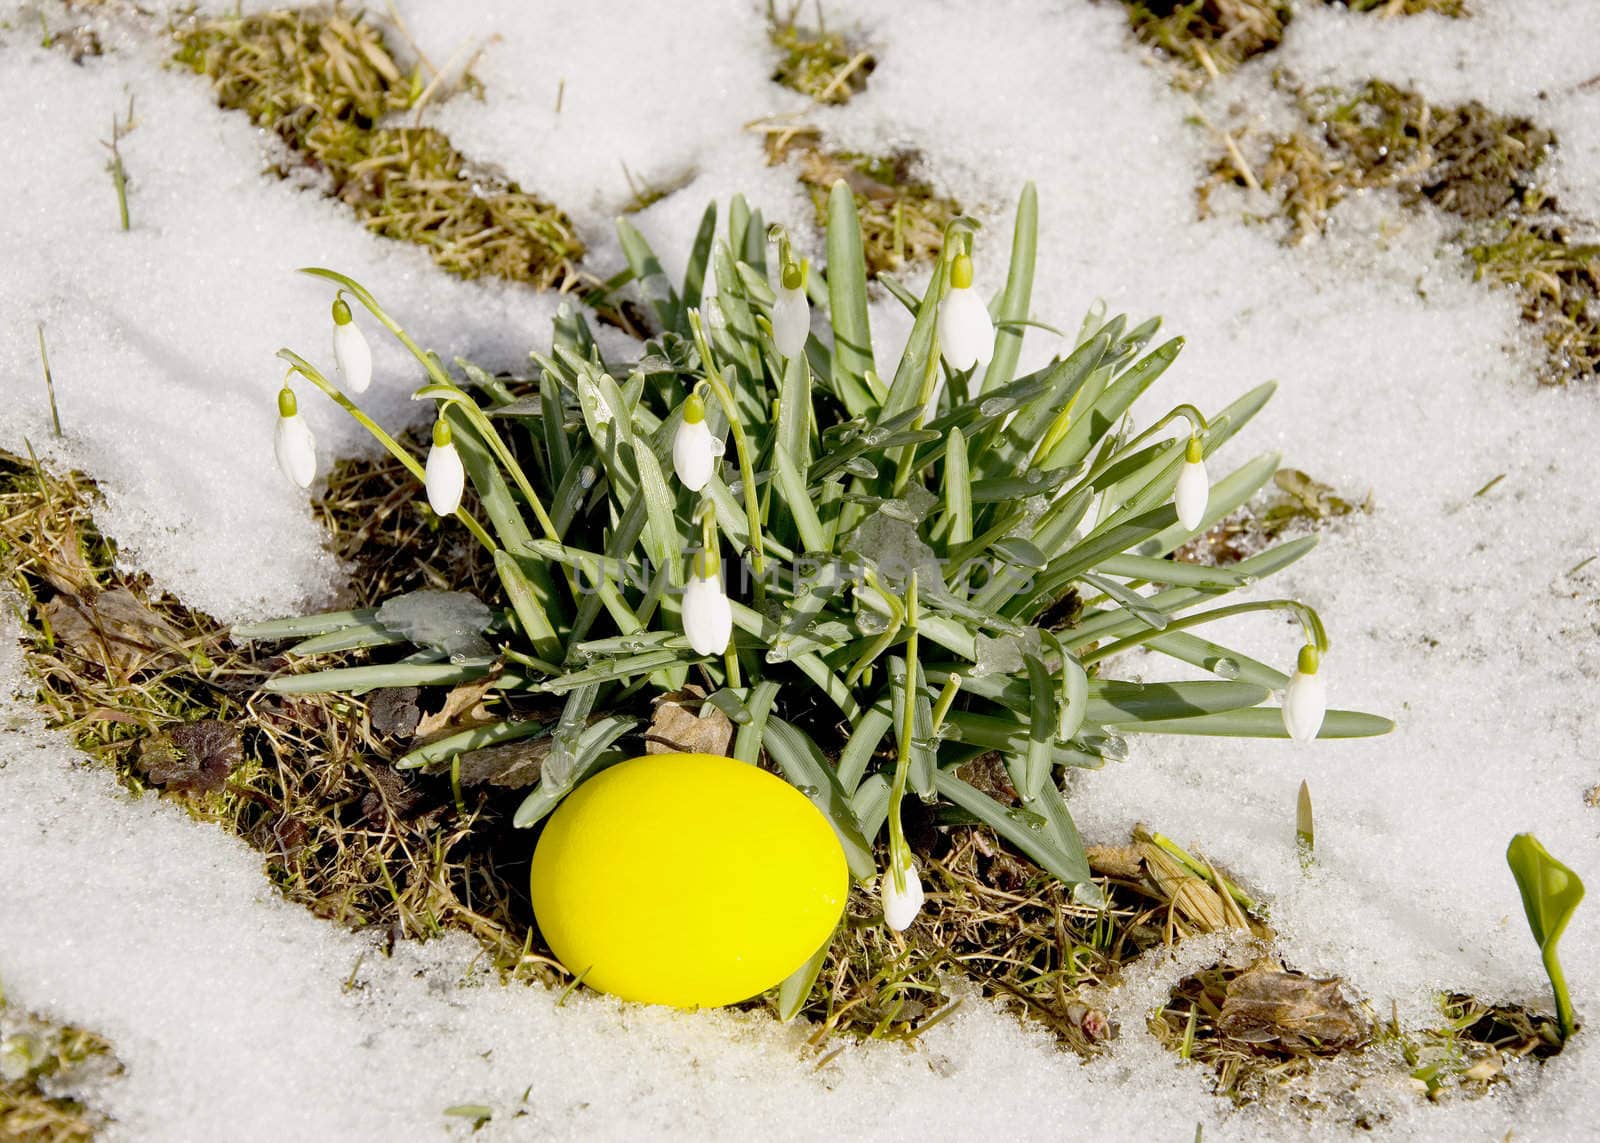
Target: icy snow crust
(1457, 615)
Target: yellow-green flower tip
(287, 405)
(441, 433)
(1310, 660)
(1192, 454)
(961, 272)
(791, 276)
(341, 311)
(694, 409)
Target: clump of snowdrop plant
(885, 576)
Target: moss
(1212, 37)
(43, 1069)
(329, 88)
(816, 62)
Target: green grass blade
(792, 993)
(847, 303)
(1037, 844)
(1260, 722)
(479, 737)
(1018, 292)
(652, 279)
(694, 275)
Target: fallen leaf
(684, 724)
(1271, 1006)
(117, 630)
(192, 756)
(463, 709)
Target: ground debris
(45, 1072)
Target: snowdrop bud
(444, 478)
(350, 349)
(1306, 699)
(791, 314)
(1194, 489)
(295, 445)
(694, 456)
(901, 906)
(707, 615)
(966, 335)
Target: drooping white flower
(1305, 700)
(694, 454)
(293, 441)
(350, 349)
(901, 905)
(791, 314)
(707, 615)
(1194, 488)
(444, 477)
(966, 335)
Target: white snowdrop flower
(694, 456)
(1194, 488)
(901, 906)
(293, 442)
(444, 477)
(1305, 700)
(350, 349)
(791, 314)
(707, 615)
(966, 335)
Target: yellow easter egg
(687, 879)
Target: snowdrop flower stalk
(444, 478)
(1305, 700)
(694, 452)
(966, 335)
(350, 348)
(1194, 488)
(791, 313)
(900, 885)
(294, 443)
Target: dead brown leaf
(117, 630)
(1269, 1006)
(463, 709)
(684, 724)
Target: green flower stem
(1315, 634)
(947, 697)
(303, 367)
(908, 729)
(1565, 1017)
(1198, 424)
(450, 392)
(741, 446)
(361, 294)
